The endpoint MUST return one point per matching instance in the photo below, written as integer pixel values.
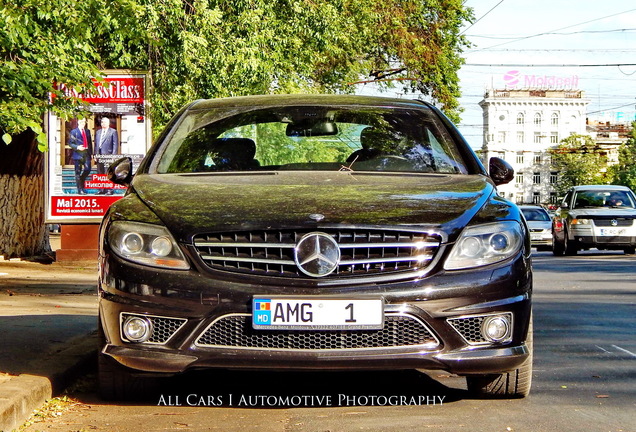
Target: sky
(573, 37)
(526, 36)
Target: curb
(21, 394)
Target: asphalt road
(584, 378)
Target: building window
(519, 178)
(521, 119)
(521, 137)
(536, 197)
(520, 157)
(554, 177)
(501, 155)
(537, 138)
(553, 198)
(502, 137)
(554, 138)
(537, 158)
(537, 119)
(519, 199)
(536, 178)
(555, 119)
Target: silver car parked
(540, 225)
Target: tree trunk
(22, 229)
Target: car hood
(205, 203)
(603, 212)
(540, 225)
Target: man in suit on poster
(106, 143)
(81, 144)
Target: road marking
(603, 349)
(624, 350)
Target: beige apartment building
(520, 125)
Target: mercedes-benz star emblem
(317, 254)
(614, 222)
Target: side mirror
(565, 206)
(120, 171)
(500, 171)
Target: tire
(512, 384)
(557, 247)
(119, 383)
(630, 250)
(569, 246)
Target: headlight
(146, 244)
(580, 221)
(485, 244)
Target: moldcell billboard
(515, 79)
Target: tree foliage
(214, 48)
(43, 42)
(578, 163)
(625, 172)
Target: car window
(603, 198)
(313, 138)
(535, 215)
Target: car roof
(305, 99)
(600, 187)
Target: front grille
(363, 252)
(162, 328)
(235, 331)
(608, 222)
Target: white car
(540, 226)
(595, 216)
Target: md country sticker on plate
(312, 313)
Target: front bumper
(434, 301)
(603, 237)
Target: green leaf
(7, 138)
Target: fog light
(137, 329)
(496, 328)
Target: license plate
(535, 236)
(612, 231)
(311, 313)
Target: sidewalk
(48, 322)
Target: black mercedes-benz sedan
(314, 232)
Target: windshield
(312, 138)
(535, 215)
(601, 198)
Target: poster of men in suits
(112, 125)
(106, 143)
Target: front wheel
(570, 245)
(117, 382)
(557, 246)
(512, 384)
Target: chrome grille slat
(608, 222)
(235, 331)
(363, 252)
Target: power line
(557, 33)
(548, 65)
(556, 30)
(483, 16)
